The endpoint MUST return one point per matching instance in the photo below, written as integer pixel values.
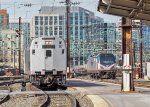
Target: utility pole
(141, 50)
(68, 35)
(68, 3)
(19, 45)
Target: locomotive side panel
(91, 64)
(59, 59)
(37, 57)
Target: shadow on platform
(78, 83)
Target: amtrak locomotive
(102, 65)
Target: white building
(9, 49)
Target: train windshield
(107, 59)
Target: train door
(48, 60)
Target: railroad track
(26, 99)
(5, 90)
(62, 100)
(35, 97)
(57, 97)
(46, 101)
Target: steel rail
(6, 97)
(47, 100)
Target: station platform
(96, 100)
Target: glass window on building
(81, 15)
(71, 15)
(76, 22)
(81, 34)
(1, 22)
(76, 34)
(55, 28)
(81, 62)
(60, 18)
(71, 28)
(76, 27)
(76, 62)
(60, 32)
(76, 18)
(60, 28)
(50, 20)
(71, 21)
(55, 32)
(86, 18)
(55, 20)
(46, 20)
(50, 30)
(41, 31)
(81, 22)
(46, 30)
(36, 30)
(36, 20)
(41, 20)
(71, 32)
(60, 22)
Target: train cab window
(48, 53)
(60, 42)
(33, 52)
(63, 51)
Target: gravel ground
(24, 101)
(82, 100)
(71, 89)
(29, 87)
(2, 96)
(60, 101)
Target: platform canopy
(135, 9)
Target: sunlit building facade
(86, 34)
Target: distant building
(110, 37)
(86, 34)
(9, 47)
(25, 28)
(136, 39)
(4, 19)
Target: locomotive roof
(98, 54)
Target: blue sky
(27, 12)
